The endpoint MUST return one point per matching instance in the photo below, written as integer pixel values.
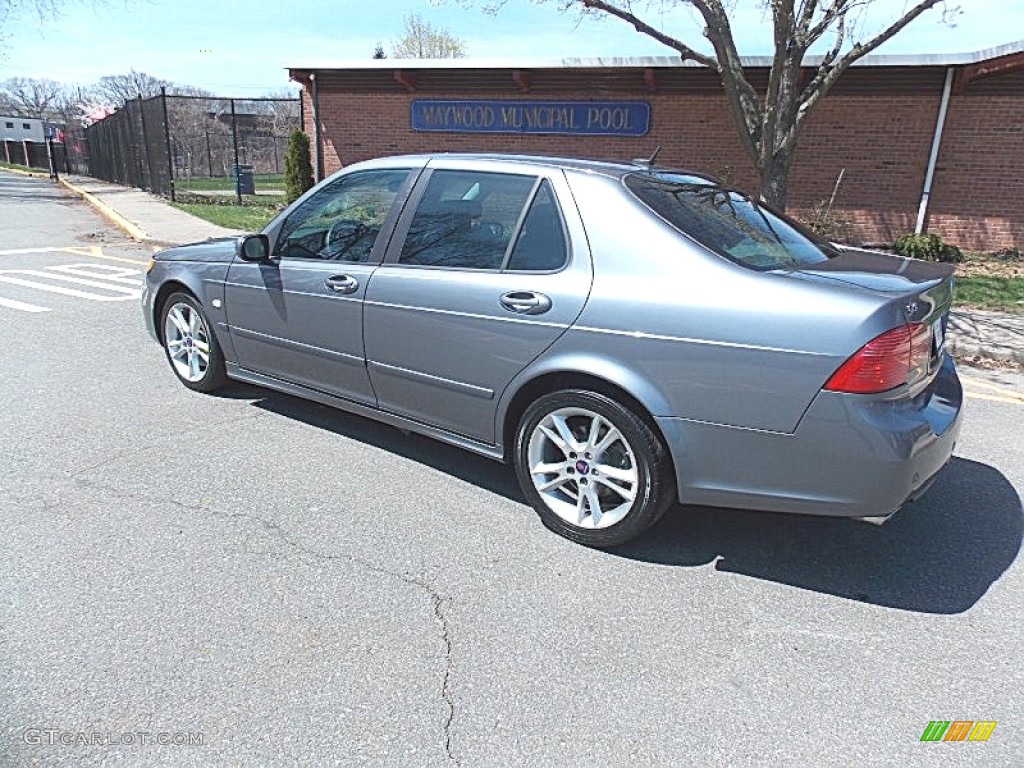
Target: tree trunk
(774, 173)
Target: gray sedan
(627, 336)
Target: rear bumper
(851, 455)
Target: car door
(298, 316)
(488, 267)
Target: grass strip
(1003, 294)
(248, 218)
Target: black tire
(652, 492)
(214, 376)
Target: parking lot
(252, 579)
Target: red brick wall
(978, 197)
(879, 129)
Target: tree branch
(803, 23)
(839, 9)
(744, 103)
(640, 26)
(829, 74)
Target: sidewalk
(974, 333)
(971, 334)
(144, 217)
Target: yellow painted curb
(109, 213)
(20, 172)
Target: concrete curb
(115, 218)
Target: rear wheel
(593, 470)
(191, 347)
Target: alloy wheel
(583, 468)
(188, 342)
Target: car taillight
(899, 356)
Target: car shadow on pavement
(239, 390)
(937, 555)
(470, 467)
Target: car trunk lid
(929, 284)
(922, 290)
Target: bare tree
(11, 10)
(29, 97)
(115, 90)
(769, 123)
(422, 40)
(173, 89)
(70, 106)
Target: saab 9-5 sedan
(627, 336)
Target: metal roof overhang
(643, 62)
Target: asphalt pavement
(258, 580)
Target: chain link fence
(190, 146)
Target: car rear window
(728, 222)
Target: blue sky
(243, 48)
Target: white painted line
(77, 280)
(21, 306)
(91, 266)
(19, 251)
(65, 291)
(132, 277)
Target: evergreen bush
(298, 170)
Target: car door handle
(341, 283)
(525, 302)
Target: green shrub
(928, 248)
(298, 170)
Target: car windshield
(728, 222)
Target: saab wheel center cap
(582, 467)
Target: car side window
(540, 246)
(341, 221)
(466, 219)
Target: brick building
(880, 127)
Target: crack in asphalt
(446, 690)
(440, 602)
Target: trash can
(244, 183)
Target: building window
(27, 126)
(10, 125)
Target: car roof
(605, 167)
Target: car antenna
(648, 161)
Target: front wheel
(593, 470)
(191, 347)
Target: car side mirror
(253, 248)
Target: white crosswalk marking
(21, 305)
(130, 277)
(125, 293)
(109, 283)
